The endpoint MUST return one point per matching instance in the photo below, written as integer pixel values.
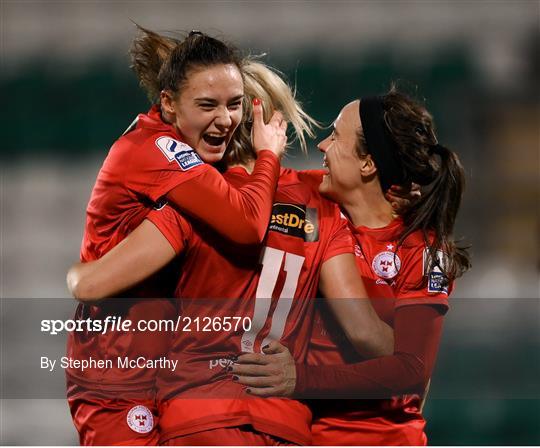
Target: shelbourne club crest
(140, 419)
(386, 264)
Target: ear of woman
(167, 104)
(367, 166)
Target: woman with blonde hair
(408, 264)
(307, 246)
(197, 88)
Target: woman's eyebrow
(214, 101)
(206, 99)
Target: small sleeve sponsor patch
(437, 281)
(183, 154)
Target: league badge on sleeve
(432, 268)
(184, 154)
(437, 282)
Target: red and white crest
(140, 419)
(386, 264)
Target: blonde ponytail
(261, 81)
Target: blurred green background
(68, 94)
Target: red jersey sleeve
(242, 214)
(158, 164)
(164, 166)
(341, 242)
(417, 331)
(173, 226)
(421, 281)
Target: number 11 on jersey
(272, 260)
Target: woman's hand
(270, 136)
(272, 374)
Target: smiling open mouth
(213, 140)
(325, 166)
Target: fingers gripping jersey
(271, 287)
(393, 280)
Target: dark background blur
(67, 94)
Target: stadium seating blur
(68, 94)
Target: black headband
(380, 144)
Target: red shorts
(237, 436)
(115, 421)
(375, 431)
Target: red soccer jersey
(142, 166)
(109, 402)
(148, 162)
(270, 286)
(145, 164)
(392, 279)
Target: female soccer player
(411, 261)
(271, 286)
(198, 89)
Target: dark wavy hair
(439, 173)
(163, 62)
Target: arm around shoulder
(141, 254)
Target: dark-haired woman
(164, 156)
(408, 265)
(271, 286)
